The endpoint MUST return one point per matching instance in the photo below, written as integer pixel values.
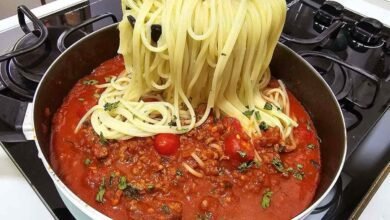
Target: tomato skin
(236, 144)
(166, 144)
(232, 123)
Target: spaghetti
(182, 54)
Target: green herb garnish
(179, 172)
(112, 176)
(165, 209)
(111, 106)
(268, 106)
(278, 164)
(102, 190)
(150, 187)
(311, 146)
(122, 183)
(248, 113)
(132, 192)
(241, 153)
(258, 116)
(266, 200)
(263, 126)
(102, 139)
(87, 161)
(90, 82)
(243, 167)
(298, 174)
(204, 216)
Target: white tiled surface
(378, 9)
(17, 199)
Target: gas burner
(34, 64)
(335, 75)
(22, 73)
(352, 117)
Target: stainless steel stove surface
(351, 52)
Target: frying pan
(82, 57)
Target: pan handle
(17, 115)
(43, 33)
(61, 40)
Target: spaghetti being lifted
(181, 54)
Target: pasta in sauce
(130, 179)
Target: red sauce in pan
(136, 182)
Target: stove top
(351, 52)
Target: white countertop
(18, 199)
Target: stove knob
(328, 13)
(367, 32)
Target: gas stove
(351, 52)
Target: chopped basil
(112, 176)
(266, 200)
(122, 183)
(258, 116)
(90, 82)
(111, 106)
(268, 106)
(132, 192)
(311, 146)
(87, 161)
(179, 172)
(278, 164)
(102, 189)
(165, 209)
(263, 126)
(241, 153)
(204, 216)
(102, 139)
(243, 167)
(248, 113)
(298, 174)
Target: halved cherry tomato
(166, 144)
(238, 148)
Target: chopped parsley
(311, 146)
(112, 176)
(111, 106)
(263, 126)
(179, 172)
(102, 190)
(204, 216)
(258, 116)
(248, 113)
(243, 167)
(266, 200)
(87, 161)
(122, 185)
(165, 209)
(278, 164)
(298, 174)
(268, 106)
(132, 192)
(102, 139)
(241, 153)
(90, 82)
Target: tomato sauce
(131, 180)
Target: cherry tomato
(166, 144)
(238, 148)
(232, 123)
